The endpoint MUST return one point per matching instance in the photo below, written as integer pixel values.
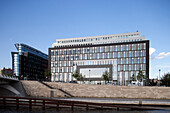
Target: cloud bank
(161, 55)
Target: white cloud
(159, 56)
(151, 51)
(162, 55)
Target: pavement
(159, 102)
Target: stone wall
(82, 90)
(36, 89)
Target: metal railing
(9, 77)
(43, 103)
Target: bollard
(51, 93)
(140, 102)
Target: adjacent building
(29, 63)
(6, 71)
(122, 55)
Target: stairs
(56, 88)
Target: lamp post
(123, 78)
(84, 78)
(159, 73)
(89, 75)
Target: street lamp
(89, 75)
(159, 73)
(123, 78)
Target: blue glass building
(28, 62)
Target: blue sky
(39, 23)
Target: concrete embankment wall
(34, 88)
(82, 90)
(13, 88)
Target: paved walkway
(122, 100)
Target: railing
(9, 77)
(57, 104)
(66, 92)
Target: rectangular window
(113, 55)
(108, 55)
(132, 60)
(130, 55)
(52, 53)
(118, 54)
(103, 55)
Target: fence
(46, 103)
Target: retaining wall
(34, 88)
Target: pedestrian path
(158, 102)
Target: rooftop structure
(103, 39)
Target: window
(52, 53)
(74, 51)
(118, 54)
(130, 54)
(108, 55)
(103, 55)
(132, 60)
(126, 60)
(113, 55)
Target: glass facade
(126, 59)
(29, 63)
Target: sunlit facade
(122, 54)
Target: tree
(47, 74)
(78, 76)
(165, 80)
(132, 78)
(105, 76)
(140, 75)
(152, 83)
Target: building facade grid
(126, 59)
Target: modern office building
(29, 63)
(122, 55)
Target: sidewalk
(159, 102)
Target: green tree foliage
(78, 76)
(133, 78)
(47, 73)
(105, 76)
(140, 75)
(152, 83)
(165, 80)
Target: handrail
(57, 103)
(9, 77)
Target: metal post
(87, 107)
(17, 102)
(58, 105)
(159, 74)
(30, 104)
(122, 78)
(89, 76)
(72, 106)
(4, 102)
(43, 104)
